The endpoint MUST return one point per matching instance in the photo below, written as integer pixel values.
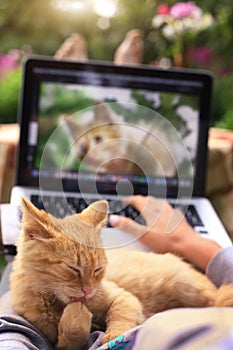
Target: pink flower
(7, 63)
(163, 9)
(185, 9)
(202, 55)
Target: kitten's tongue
(82, 300)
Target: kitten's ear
(96, 214)
(74, 129)
(102, 112)
(35, 222)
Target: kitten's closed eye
(79, 270)
(76, 269)
(98, 270)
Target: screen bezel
(29, 99)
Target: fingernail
(114, 219)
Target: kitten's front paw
(74, 327)
(75, 313)
(109, 335)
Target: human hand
(165, 226)
(166, 230)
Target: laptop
(93, 130)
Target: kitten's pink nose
(86, 291)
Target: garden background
(40, 27)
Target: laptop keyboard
(55, 206)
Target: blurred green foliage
(9, 95)
(44, 26)
(223, 103)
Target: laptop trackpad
(116, 238)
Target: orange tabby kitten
(108, 143)
(57, 279)
(57, 282)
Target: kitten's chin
(81, 300)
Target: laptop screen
(95, 125)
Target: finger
(137, 201)
(147, 202)
(127, 225)
(151, 208)
(152, 239)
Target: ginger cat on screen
(109, 144)
(58, 281)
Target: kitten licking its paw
(57, 280)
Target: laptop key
(37, 201)
(195, 217)
(191, 215)
(203, 232)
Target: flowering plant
(10, 79)
(8, 62)
(180, 23)
(10, 82)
